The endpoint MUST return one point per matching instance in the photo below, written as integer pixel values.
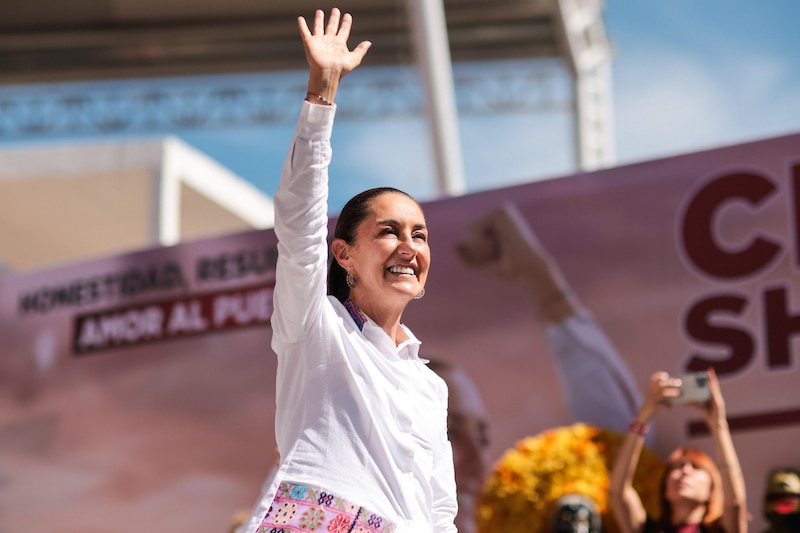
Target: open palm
(326, 45)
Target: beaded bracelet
(319, 97)
(639, 428)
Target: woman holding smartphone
(697, 495)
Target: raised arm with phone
(696, 494)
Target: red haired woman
(696, 495)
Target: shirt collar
(358, 316)
(408, 349)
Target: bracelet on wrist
(313, 96)
(639, 428)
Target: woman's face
(390, 256)
(689, 482)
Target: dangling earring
(350, 280)
(421, 294)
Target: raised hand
(714, 409)
(662, 389)
(327, 53)
(502, 244)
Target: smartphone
(693, 388)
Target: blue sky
(687, 75)
(696, 74)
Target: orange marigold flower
(520, 495)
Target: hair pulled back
(353, 213)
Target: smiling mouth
(402, 270)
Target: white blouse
(356, 415)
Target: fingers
(478, 252)
(713, 382)
(481, 250)
(333, 22)
(663, 387)
(360, 51)
(716, 401)
(480, 246)
(326, 49)
(344, 28)
(495, 241)
(484, 231)
(302, 25)
(658, 377)
(333, 27)
(319, 21)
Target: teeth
(401, 270)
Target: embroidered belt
(302, 508)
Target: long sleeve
(443, 484)
(598, 386)
(352, 416)
(301, 224)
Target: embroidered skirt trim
(305, 508)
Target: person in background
(501, 244)
(468, 431)
(696, 494)
(782, 500)
(575, 513)
(360, 419)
